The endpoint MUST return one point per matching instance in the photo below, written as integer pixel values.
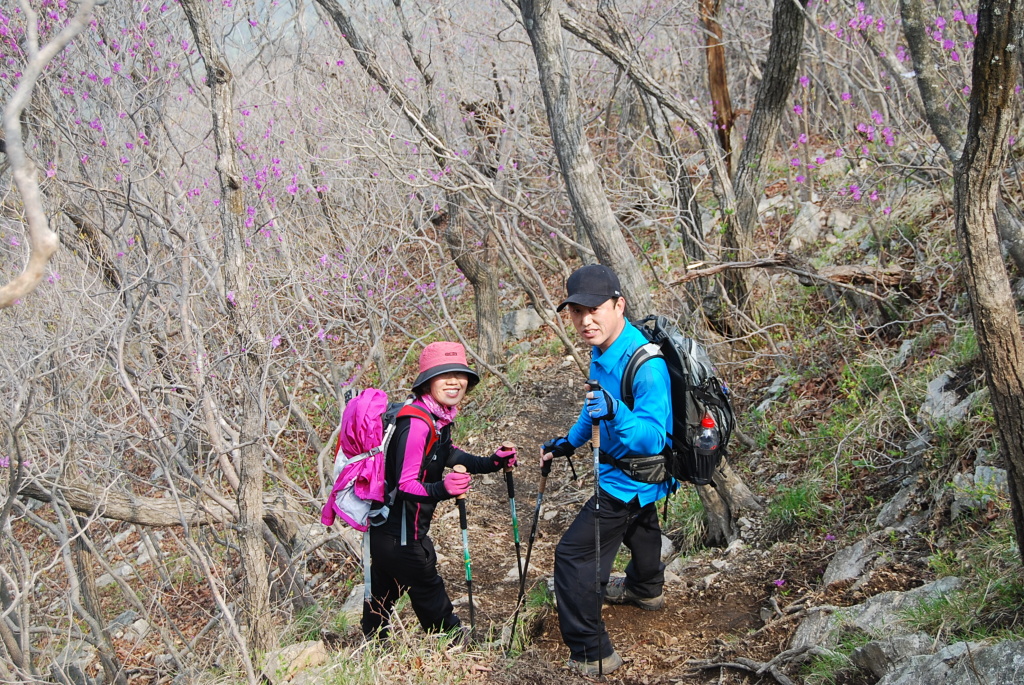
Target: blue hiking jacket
(640, 431)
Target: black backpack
(696, 389)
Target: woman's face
(449, 388)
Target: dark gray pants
(579, 605)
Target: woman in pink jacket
(401, 551)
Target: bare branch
(42, 240)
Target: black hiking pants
(412, 568)
(579, 607)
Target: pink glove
(504, 457)
(457, 483)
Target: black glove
(504, 457)
(559, 447)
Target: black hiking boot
(618, 593)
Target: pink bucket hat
(443, 357)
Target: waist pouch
(650, 469)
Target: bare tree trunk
(941, 120)
(725, 504)
(769, 105)
(690, 227)
(976, 177)
(479, 273)
(255, 602)
(718, 81)
(81, 555)
(586, 192)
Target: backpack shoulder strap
(423, 415)
(641, 355)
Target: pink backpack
(360, 496)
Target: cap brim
(583, 300)
(442, 369)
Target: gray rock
(849, 562)
(944, 405)
(679, 567)
(521, 347)
(898, 507)
(931, 669)
(1002, 662)
(515, 325)
(990, 482)
(284, 664)
(973, 491)
(668, 548)
(884, 656)
(140, 627)
(806, 228)
(123, 622)
(839, 221)
(353, 606)
(735, 547)
(773, 391)
(963, 495)
(903, 354)
(769, 203)
(880, 612)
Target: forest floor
(744, 603)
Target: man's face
(599, 326)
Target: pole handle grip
(459, 468)
(595, 430)
(507, 446)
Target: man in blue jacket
(627, 506)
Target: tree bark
(976, 176)
(941, 121)
(718, 81)
(725, 504)
(769, 105)
(575, 158)
(255, 602)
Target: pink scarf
(445, 415)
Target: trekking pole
(595, 439)
(366, 567)
(511, 487)
(461, 499)
(545, 469)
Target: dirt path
(698, 622)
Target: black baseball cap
(591, 286)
